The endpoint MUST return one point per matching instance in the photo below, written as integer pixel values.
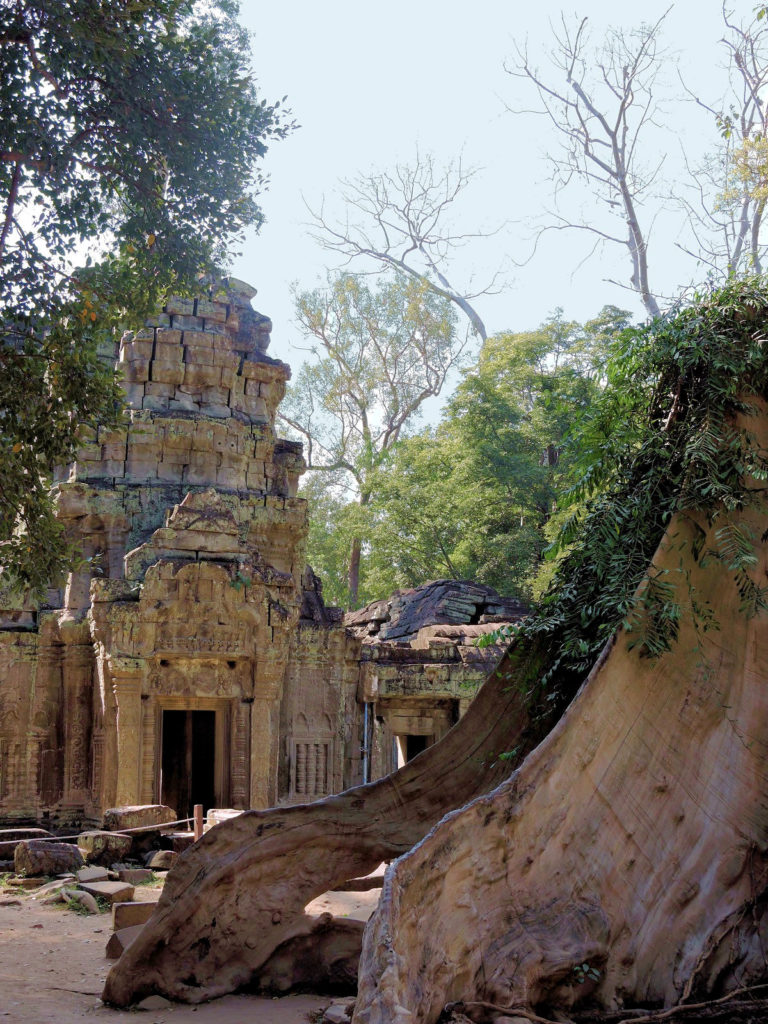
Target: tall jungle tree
(131, 135)
(379, 356)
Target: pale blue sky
(369, 82)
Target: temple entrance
(188, 760)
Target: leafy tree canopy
(379, 354)
(130, 138)
(661, 439)
(474, 498)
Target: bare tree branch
(399, 219)
(604, 102)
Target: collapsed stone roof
(464, 610)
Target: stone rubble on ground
(84, 899)
(103, 847)
(93, 874)
(160, 860)
(113, 892)
(119, 941)
(129, 913)
(39, 857)
(339, 1012)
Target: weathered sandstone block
(103, 847)
(39, 857)
(137, 816)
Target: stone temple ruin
(191, 659)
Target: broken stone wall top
(439, 602)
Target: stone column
(241, 753)
(127, 677)
(265, 726)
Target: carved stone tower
(170, 667)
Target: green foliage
(660, 440)
(585, 972)
(131, 133)
(379, 355)
(474, 498)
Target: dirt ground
(52, 969)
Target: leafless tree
(401, 219)
(726, 197)
(601, 101)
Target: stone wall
(191, 658)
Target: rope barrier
(115, 832)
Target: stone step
(95, 874)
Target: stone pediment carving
(187, 608)
(200, 527)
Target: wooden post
(198, 821)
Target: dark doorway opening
(414, 745)
(189, 760)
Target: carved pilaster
(77, 678)
(127, 676)
(265, 724)
(241, 746)
(148, 752)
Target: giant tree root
(632, 840)
(238, 895)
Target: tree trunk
(626, 859)
(232, 910)
(633, 840)
(353, 578)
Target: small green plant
(240, 580)
(152, 880)
(76, 906)
(584, 972)
(6, 881)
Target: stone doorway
(188, 766)
(406, 747)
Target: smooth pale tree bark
(632, 840)
(630, 845)
(232, 910)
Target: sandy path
(52, 969)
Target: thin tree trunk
(353, 577)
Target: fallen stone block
(103, 848)
(217, 814)
(26, 883)
(39, 857)
(126, 915)
(120, 941)
(137, 816)
(56, 886)
(11, 837)
(160, 860)
(134, 876)
(95, 874)
(338, 1013)
(52, 898)
(154, 1003)
(179, 841)
(114, 892)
